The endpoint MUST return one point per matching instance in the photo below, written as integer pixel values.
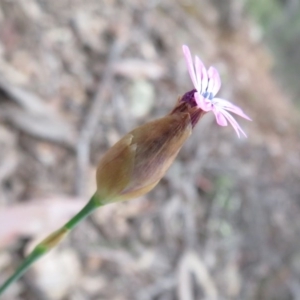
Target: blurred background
(224, 222)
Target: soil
(75, 76)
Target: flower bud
(136, 163)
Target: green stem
(93, 204)
(51, 241)
(32, 257)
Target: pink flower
(207, 84)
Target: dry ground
(74, 77)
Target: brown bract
(136, 163)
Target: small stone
(5, 260)
(142, 96)
(94, 285)
(57, 273)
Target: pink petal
(214, 82)
(221, 120)
(201, 73)
(202, 103)
(190, 65)
(234, 123)
(204, 76)
(224, 104)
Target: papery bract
(135, 164)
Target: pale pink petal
(221, 120)
(234, 123)
(230, 107)
(202, 103)
(190, 64)
(204, 76)
(201, 74)
(208, 83)
(214, 83)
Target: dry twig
(192, 264)
(32, 116)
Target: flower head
(207, 83)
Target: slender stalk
(51, 241)
(93, 204)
